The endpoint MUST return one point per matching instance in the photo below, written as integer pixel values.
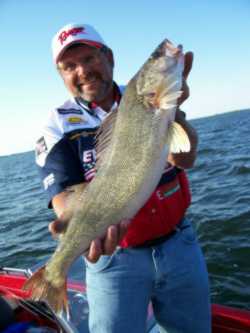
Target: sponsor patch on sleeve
(75, 120)
(69, 111)
(48, 181)
(41, 151)
(41, 146)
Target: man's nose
(82, 69)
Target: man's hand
(99, 246)
(109, 242)
(185, 160)
(188, 63)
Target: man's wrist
(180, 116)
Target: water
(220, 211)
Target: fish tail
(42, 289)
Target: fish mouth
(167, 48)
(160, 75)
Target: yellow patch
(75, 120)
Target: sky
(217, 31)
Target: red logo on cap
(65, 34)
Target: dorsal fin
(104, 135)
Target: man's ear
(111, 57)
(109, 54)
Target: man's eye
(69, 67)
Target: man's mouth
(89, 82)
(93, 77)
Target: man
(155, 257)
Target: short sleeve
(58, 168)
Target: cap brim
(79, 41)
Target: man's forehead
(78, 49)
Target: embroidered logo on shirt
(167, 190)
(48, 181)
(69, 111)
(41, 146)
(89, 158)
(75, 120)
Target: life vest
(163, 211)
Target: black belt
(159, 240)
(156, 241)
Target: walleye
(132, 149)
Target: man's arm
(185, 160)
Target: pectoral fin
(177, 139)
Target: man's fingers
(187, 68)
(104, 245)
(57, 227)
(111, 240)
(108, 243)
(95, 250)
(53, 229)
(123, 228)
(189, 57)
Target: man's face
(87, 72)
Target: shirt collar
(91, 107)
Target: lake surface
(220, 183)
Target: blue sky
(216, 31)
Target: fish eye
(150, 94)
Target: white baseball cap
(74, 34)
